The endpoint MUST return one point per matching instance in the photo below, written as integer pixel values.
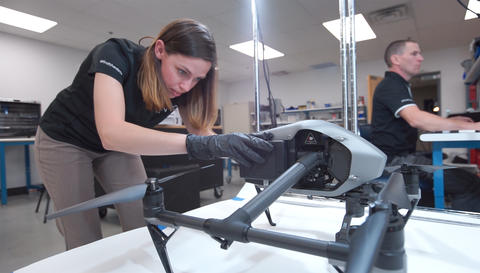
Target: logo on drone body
(310, 140)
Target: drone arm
(327, 249)
(367, 240)
(170, 218)
(244, 233)
(235, 227)
(262, 201)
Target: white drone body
(350, 159)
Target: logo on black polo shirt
(112, 66)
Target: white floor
(25, 239)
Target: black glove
(263, 135)
(245, 149)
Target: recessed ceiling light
(24, 20)
(363, 31)
(475, 6)
(247, 48)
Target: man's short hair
(395, 47)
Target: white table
(435, 242)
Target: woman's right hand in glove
(243, 148)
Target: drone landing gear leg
(342, 236)
(354, 208)
(160, 241)
(267, 211)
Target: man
(396, 120)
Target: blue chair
(366, 131)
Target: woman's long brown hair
(189, 38)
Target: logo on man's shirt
(406, 100)
(112, 66)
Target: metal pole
(352, 67)
(343, 62)
(255, 64)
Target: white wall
(453, 91)
(32, 70)
(35, 70)
(222, 94)
(323, 85)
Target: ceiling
(291, 26)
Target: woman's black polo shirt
(70, 117)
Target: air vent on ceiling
(323, 65)
(280, 73)
(389, 15)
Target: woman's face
(180, 73)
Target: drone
(313, 158)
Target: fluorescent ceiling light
(247, 48)
(363, 31)
(475, 6)
(24, 20)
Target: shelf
(326, 109)
(474, 73)
(268, 123)
(337, 120)
(334, 118)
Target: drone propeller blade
(126, 195)
(394, 192)
(432, 168)
(173, 176)
(391, 169)
(425, 168)
(366, 242)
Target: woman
(100, 124)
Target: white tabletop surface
(17, 139)
(462, 135)
(435, 242)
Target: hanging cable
(266, 75)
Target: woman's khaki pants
(68, 172)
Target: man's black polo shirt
(390, 133)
